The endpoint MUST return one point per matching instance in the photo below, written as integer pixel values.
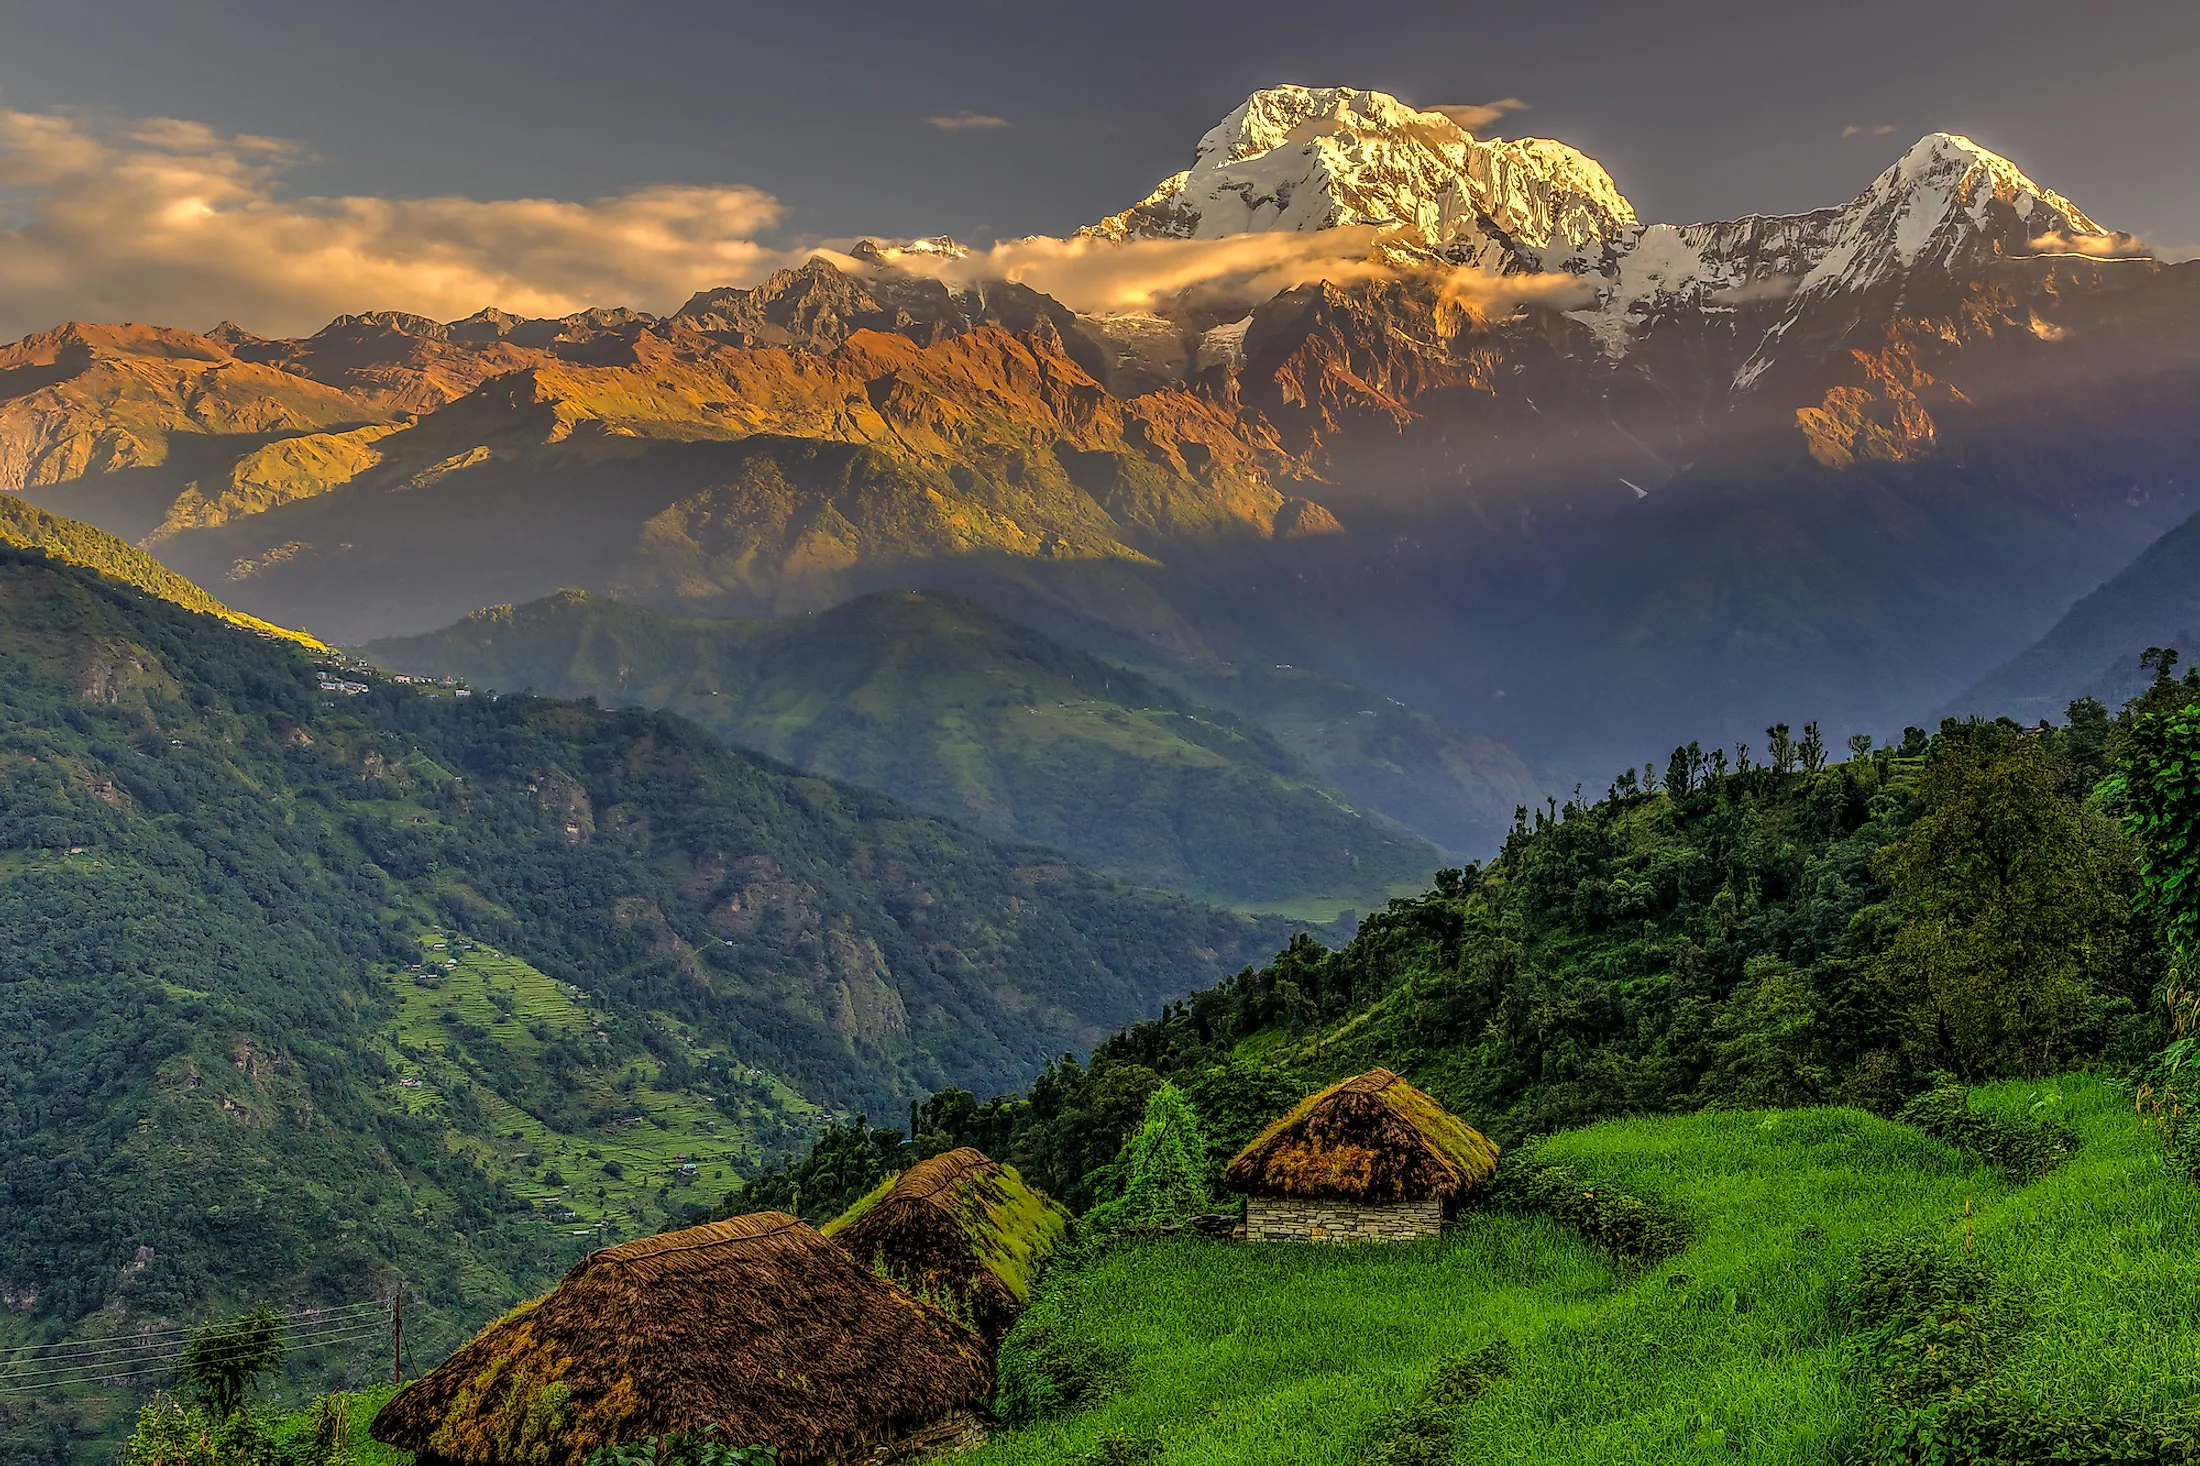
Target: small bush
(171, 1433)
(1119, 1450)
(331, 1431)
(1930, 1329)
(2026, 1149)
(1045, 1368)
(1424, 1432)
(1629, 1227)
(1927, 1322)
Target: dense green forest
(317, 982)
(26, 526)
(1768, 926)
(936, 700)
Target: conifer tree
(1159, 1178)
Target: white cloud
(1099, 276)
(2111, 245)
(170, 221)
(1877, 129)
(1474, 116)
(966, 122)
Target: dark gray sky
(1699, 109)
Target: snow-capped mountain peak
(1946, 205)
(1301, 158)
(1944, 200)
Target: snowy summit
(1300, 158)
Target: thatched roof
(1374, 1139)
(757, 1324)
(959, 1230)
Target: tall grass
(1737, 1349)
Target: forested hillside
(315, 986)
(26, 526)
(936, 700)
(1769, 929)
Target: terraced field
(538, 1082)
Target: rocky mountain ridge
(1526, 443)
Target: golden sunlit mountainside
(751, 476)
(1535, 477)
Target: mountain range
(937, 701)
(1421, 412)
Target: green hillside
(1514, 1339)
(235, 1063)
(1747, 1209)
(938, 701)
(26, 526)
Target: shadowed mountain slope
(938, 701)
(2094, 650)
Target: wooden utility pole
(397, 1336)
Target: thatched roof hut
(757, 1324)
(1370, 1156)
(959, 1230)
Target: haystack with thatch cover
(757, 1325)
(1368, 1159)
(960, 1230)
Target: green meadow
(1742, 1347)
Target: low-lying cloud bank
(169, 221)
(2112, 245)
(1102, 277)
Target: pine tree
(1159, 1178)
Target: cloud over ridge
(170, 220)
(1101, 276)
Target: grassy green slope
(477, 1032)
(1736, 1349)
(940, 702)
(26, 526)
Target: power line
(112, 1375)
(138, 1361)
(301, 1317)
(120, 1350)
(216, 1347)
(212, 1350)
(117, 1367)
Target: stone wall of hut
(1283, 1219)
